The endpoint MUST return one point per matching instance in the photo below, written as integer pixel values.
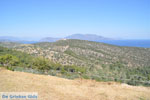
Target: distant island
(88, 37)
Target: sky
(125, 19)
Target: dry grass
(54, 88)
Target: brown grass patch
(54, 88)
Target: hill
(98, 61)
(81, 52)
(50, 87)
(20, 61)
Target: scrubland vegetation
(86, 61)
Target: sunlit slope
(86, 53)
(54, 88)
(103, 62)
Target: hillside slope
(102, 62)
(54, 88)
(85, 53)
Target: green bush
(8, 60)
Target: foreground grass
(54, 88)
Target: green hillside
(19, 61)
(98, 61)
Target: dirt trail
(54, 88)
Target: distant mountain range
(16, 39)
(9, 38)
(89, 37)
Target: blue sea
(129, 43)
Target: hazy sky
(58, 18)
